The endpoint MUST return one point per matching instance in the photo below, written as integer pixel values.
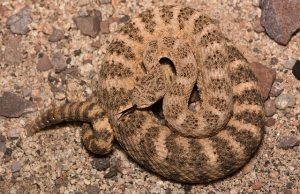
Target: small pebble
(276, 90)
(44, 63)
(104, 26)
(255, 3)
(15, 167)
(124, 19)
(273, 174)
(2, 147)
(270, 122)
(284, 100)
(59, 62)
(270, 108)
(296, 70)
(105, 1)
(289, 185)
(257, 185)
(112, 173)
(288, 142)
(14, 133)
(289, 63)
(96, 44)
(92, 189)
(274, 61)
(8, 152)
(101, 164)
(26, 92)
(56, 35)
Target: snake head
(142, 98)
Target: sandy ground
(56, 162)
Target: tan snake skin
(190, 146)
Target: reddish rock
(265, 76)
(44, 63)
(270, 108)
(270, 122)
(281, 19)
(96, 44)
(257, 27)
(4, 11)
(104, 26)
(257, 185)
(88, 25)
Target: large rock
(281, 19)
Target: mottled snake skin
(196, 146)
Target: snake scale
(191, 146)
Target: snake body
(191, 146)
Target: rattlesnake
(189, 146)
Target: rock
(77, 52)
(296, 70)
(257, 185)
(101, 164)
(88, 25)
(56, 35)
(105, 1)
(8, 152)
(287, 191)
(273, 61)
(289, 185)
(4, 11)
(46, 28)
(14, 133)
(124, 19)
(274, 174)
(288, 142)
(13, 106)
(289, 63)
(276, 90)
(270, 108)
(12, 53)
(96, 44)
(265, 76)
(257, 27)
(284, 100)
(2, 147)
(281, 19)
(15, 166)
(92, 189)
(44, 63)
(270, 122)
(255, 3)
(112, 173)
(2, 138)
(18, 23)
(26, 92)
(104, 27)
(59, 62)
